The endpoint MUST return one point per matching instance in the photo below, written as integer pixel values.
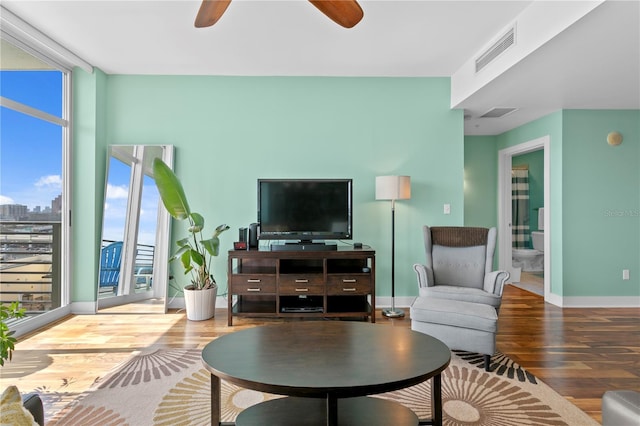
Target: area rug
(171, 387)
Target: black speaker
(253, 236)
(242, 235)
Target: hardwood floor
(580, 353)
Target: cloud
(114, 192)
(50, 181)
(6, 200)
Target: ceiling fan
(346, 13)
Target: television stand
(305, 284)
(304, 246)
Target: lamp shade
(393, 187)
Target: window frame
(22, 35)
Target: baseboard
(84, 308)
(400, 302)
(601, 302)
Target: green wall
(601, 205)
(595, 202)
(88, 169)
(480, 181)
(230, 131)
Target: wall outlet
(625, 274)
(447, 209)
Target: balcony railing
(30, 254)
(30, 265)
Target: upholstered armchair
(459, 265)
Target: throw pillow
(12, 412)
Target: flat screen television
(305, 209)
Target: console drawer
(301, 284)
(348, 284)
(253, 284)
(301, 279)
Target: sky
(31, 156)
(30, 148)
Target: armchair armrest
(494, 282)
(33, 404)
(424, 275)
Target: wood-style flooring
(580, 353)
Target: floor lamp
(393, 188)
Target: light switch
(447, 209)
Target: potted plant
(7, 341)
(195, 252)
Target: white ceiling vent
(505, 42)
(497, 112)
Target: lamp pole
(393, 188)
(393, 312)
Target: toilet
(532, 260)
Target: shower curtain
(520, 208)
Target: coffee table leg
(215, 400)
(436, 399)
(332, 410)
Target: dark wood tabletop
(326, 359)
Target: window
(34, 108)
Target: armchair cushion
(464, 294)
(455, 314)
(460, 266)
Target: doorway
(505, 208)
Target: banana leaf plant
(195, 252)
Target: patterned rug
(170, 387)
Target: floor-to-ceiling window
(34, 171)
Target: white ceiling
(593, 64)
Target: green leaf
(197, 258)
(197, 222)
(212, 245)
(183, 242)
(170, 190)
(185, 258)
(7, 341)
(220, 229)
(180, 253)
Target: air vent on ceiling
(497, 112)
(505, 42)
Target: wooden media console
(326, 284)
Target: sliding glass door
(34, 102)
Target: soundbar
(304, 247)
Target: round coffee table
(324, 367)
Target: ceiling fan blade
(343, 12)
(210, 11)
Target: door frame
(505, 209)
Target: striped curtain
(520, 208)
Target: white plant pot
(200, 304)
